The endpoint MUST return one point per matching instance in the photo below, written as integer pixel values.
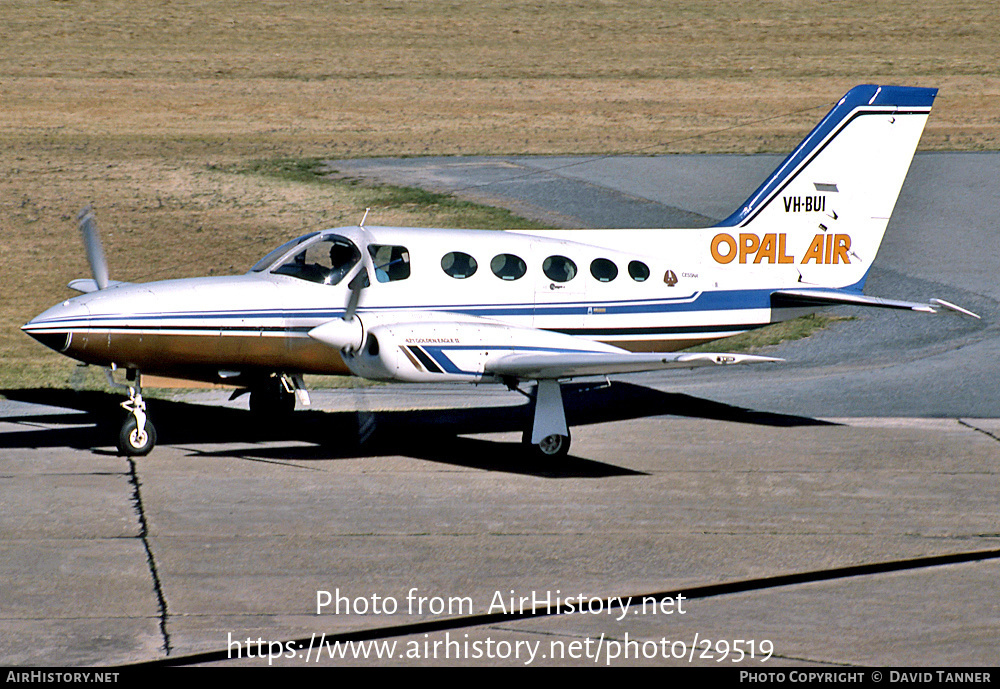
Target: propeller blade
(359, 283)
(360, 280)
(92, 242)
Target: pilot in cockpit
(342, 259)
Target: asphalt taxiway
(841, 507)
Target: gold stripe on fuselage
(165, 353)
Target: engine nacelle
(427, 352)
(449, 351)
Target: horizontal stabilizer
(821, 297)
(954, 307)
(559, 365)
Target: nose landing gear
(137, 436)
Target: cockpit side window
(391, 262)
(325, 262)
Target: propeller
(360, 280)
(347, 333)
(95, 252)
(366, 419)
(359, 283)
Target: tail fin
(826, 207)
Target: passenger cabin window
(459, 265)
(508, 267)
(559, 269)
(391, 262)
(325, 262)
(638, 271)
(603, 270)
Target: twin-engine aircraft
(514, 307)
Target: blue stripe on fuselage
(723, 300)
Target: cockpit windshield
(326, 262)
(272, 256)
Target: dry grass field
(156, 112)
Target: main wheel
(271, 399)
(551, 447)
(135, 443)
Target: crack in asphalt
(962, 422)
(161, 600)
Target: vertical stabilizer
(825, 208)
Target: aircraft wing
(566, 365)
(822, 297)
(392, 346)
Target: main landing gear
(275, 396)
(548, 438)
(137, 436)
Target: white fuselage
(260, 321)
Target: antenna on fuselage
(365, 217)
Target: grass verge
(428, 205)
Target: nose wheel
(133, 442)
(137, 436)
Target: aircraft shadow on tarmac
(433, 434)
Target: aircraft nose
(54, 327)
